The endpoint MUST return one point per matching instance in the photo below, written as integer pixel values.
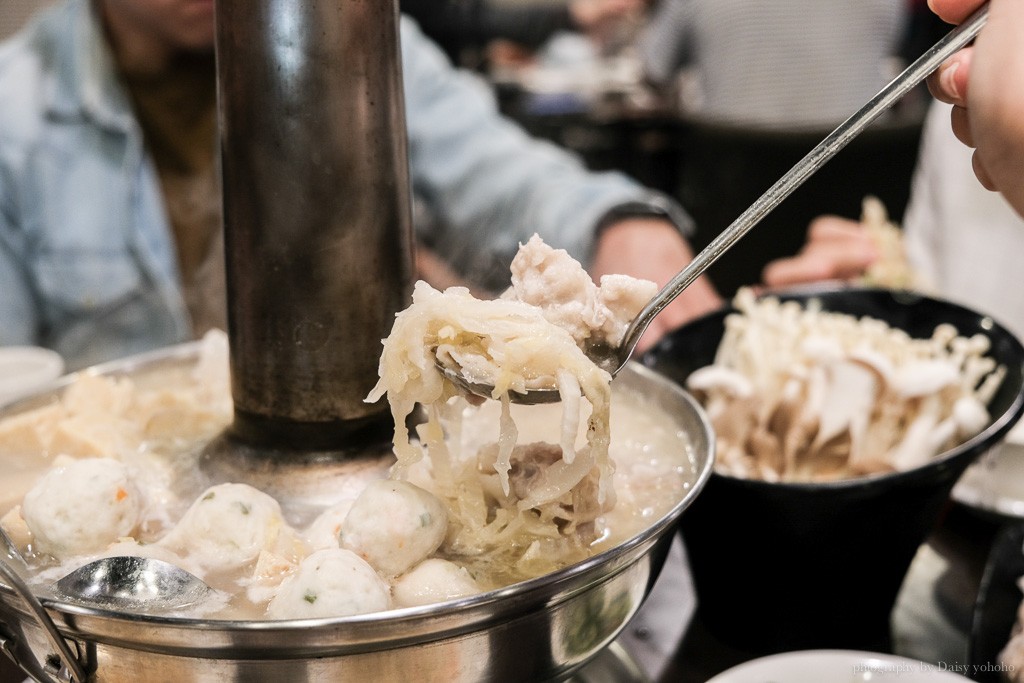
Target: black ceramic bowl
(786, 566)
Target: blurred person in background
(756, 86)
(465, 28)
(110, 239)
(787, 64)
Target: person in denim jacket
(109, 200)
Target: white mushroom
(839, 395)
(820, 348)
(875, 360)
(970, 415)
(720, 379)
(849, 396)
(923, 438)
(924, 377)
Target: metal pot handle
(70, 668)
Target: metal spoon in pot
(911, 77)
(133, 583)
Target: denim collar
(87, 85)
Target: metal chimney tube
(317, 218)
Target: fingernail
(947, 80)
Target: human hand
(653, 249)
(505, 54)
(954, 11)
(591, 14)
(433, 270)
(987, 113)
(836, 249)
(604, 21)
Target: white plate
(26, 369)
(996, 482)
(839, 666)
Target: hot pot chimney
(317, 220)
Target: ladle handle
(71, 669)
(912, 76)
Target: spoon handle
(815, 159)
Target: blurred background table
(600, 109)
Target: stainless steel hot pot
(538, 630)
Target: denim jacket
(87, 260)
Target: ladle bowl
(541, 629)
(138, 584)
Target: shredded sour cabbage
(515, 344)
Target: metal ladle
(143, 585)
(133, 583)
(615, 358)
(120, 582)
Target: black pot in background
(780, 567)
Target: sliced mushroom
(848, 400)
(924, 377)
